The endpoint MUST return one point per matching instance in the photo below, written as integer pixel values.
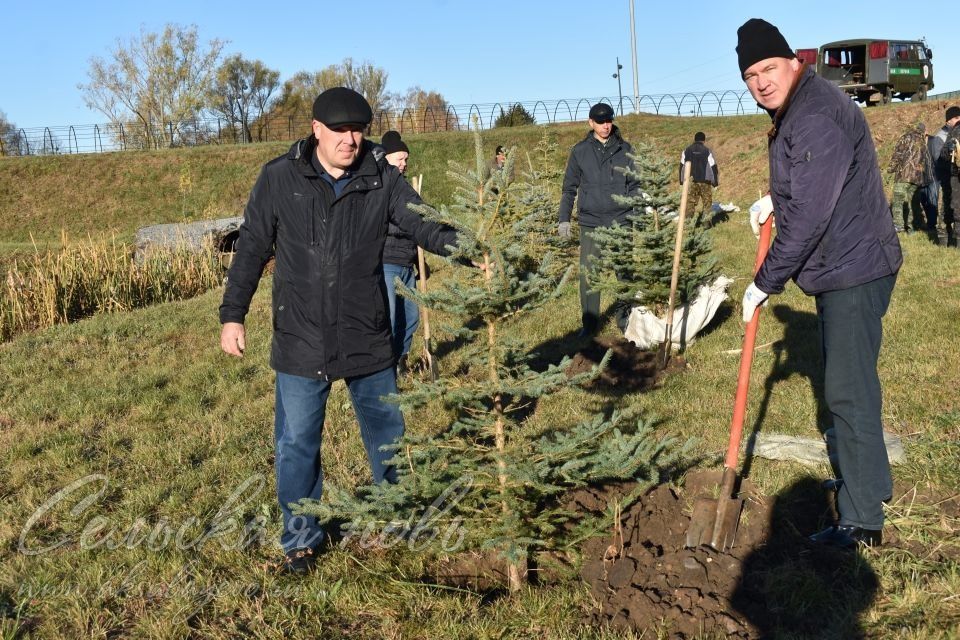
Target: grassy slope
(146, 399)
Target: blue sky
(471, 52)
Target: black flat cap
(601, 112)
(340, 106)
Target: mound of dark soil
(771, 583)
(629, 370)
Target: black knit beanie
(391, 143)
(758, 40)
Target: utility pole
(633, 50)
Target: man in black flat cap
(323, 208)
(836, 239)
(593, 179)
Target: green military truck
(877, 71)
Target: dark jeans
(298, 429)
(851, 332)
(948, 189)
(404, 313)
(590, 300)
(931, 202)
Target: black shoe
(847, 536)
(299, 561)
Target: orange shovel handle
(746, 357)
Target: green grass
(146, 400)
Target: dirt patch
(629, 370)
(771, 583)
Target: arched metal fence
(97, 138)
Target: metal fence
(97, 138)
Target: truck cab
(877, 71)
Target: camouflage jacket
(946, 153)
(911, 159)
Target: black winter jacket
(592, 170)
(330, 315)
(834, 229)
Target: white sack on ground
(645, 329)
(814, 451)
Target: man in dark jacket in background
(399, 258)
(704, 174)
(324, 208)
(836, 239)
(593, 178)
(941, 169)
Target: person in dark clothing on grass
(593, 178)
(399, 260)
(836, 239)
(323, 208)
(704, 174)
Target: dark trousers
(946, 187)
(930, 199)
(590, 300)
(851, 331)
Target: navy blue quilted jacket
(834, 228)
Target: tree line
(156, 86)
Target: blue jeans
(298, 428)
(851, 331)
(404, 313)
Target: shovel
(715, 520)
(430, 361)
(665, 346)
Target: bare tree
(243, 92)
(160, 80)
(420, 111)
(9, 138)
(364, 78)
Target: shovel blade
(728, 520)
(702, 520)
(714, 522)
(430, 362)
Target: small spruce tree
(636, 259)
(493, 475)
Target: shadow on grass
(798, 353)
(790, 588)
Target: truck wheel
(920, 95)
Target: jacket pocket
(298, 218)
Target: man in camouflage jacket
(912, 171)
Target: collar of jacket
(371, 158)
(803, 76)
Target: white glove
(564, 230)
(759, 212)
(752, 298)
